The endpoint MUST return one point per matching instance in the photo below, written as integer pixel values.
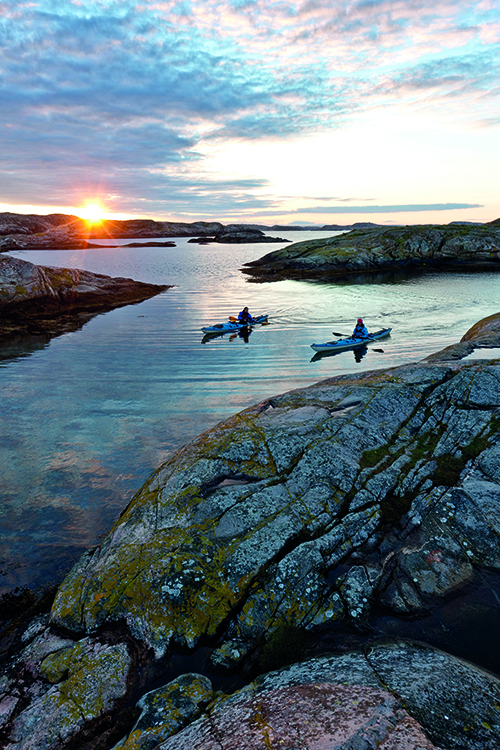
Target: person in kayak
(360, 330)
(245, 317)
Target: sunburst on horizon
(93, 213)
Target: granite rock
(393, 475)
(395, 696)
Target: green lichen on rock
(95, 679)
(397, 695)
(56, 666)
(163, 712)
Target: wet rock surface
(321, 507)
(382, 249)
(38, 299)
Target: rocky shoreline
(322, 507)
(382, 250)
(43, 300)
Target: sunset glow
(304, 112)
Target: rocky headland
(301, 518)
(39, 299)
(383, 249)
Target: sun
(93, 213)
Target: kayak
(342, 345)
(233, 326)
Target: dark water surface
(85, 418)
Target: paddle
(345, 336)
(232, 319)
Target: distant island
(68, 232)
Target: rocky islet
(382, 250)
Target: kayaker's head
(360, 322)
(245, 309)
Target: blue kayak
(342, 345)
(233, 326)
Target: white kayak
(233, 326)
(342, 345)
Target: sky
(310, 112)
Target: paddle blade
(342, 335)
(233, 319)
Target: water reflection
(359, 352)
(20, 345)
(39, 335)
(244, 333)
(87, 416)
(241, 333)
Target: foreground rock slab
(394, 695)
(34, 298)
(382, 249)
(318, 506)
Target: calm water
(85, 419)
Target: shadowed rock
(37, 299)
(238, 235)
(392, 696)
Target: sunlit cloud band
(385, 209)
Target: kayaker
(245, 317)
(360, 330)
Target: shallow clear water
(86, 418)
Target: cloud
(403, 208)
(126, 96)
